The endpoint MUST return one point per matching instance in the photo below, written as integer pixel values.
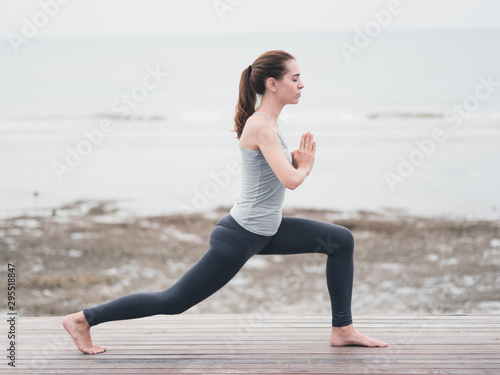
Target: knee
(347, 240)
(172, 302)
(344, 240)
(336, 239)
(174, 310)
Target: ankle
(343, 330)
(80, 319)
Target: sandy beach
(89, 252)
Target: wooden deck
(260, 344)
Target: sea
(408, 121)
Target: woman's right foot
(79, 330)
(344, 336)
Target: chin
(294, 101)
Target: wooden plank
(250, 344)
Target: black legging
(230, 247)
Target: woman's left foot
(344, 336)
(79, 330)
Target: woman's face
(288, 89)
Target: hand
(305, 154)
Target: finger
(311, 142)
(302, 141)
(306, 141)
(314, 147)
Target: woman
(254, 224)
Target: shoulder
(256, 122)
(258, 129)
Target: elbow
(294, 179)
(292, 183)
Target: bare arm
(290, 176)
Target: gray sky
(140, 17)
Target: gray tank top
(258, 206)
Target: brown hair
(271, 64)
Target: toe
(99, 349)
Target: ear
(271, 84)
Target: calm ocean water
(373, 120)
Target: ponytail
(246, 102)
(271, 64)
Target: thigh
(230, 248)
(300, 235)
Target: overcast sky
(140, 17)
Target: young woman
(255, 224)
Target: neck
(270, 107)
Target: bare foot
(79, 330)
(343, 336)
